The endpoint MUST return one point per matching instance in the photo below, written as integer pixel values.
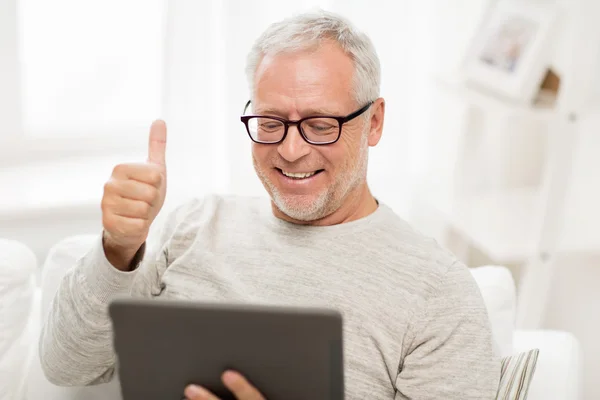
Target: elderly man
(415, 323)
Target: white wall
(574, 298)
(574, 305)
(10, 106)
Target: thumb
(157, 144)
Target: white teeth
(300, 175)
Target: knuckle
(106, 203)
(138, 225)
(113, 188)
(153, 193)
(142, 193)
(154, 176)
(119, 169)
(108, 222)
(109, 186)
(144, 209)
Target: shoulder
(185, 218)
(411, 250)
(434, 273)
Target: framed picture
(513, 48)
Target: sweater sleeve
(76, 341)
(450, 354)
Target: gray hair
(308, 30)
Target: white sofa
(24, 302)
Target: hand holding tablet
(234, 381)
(164, 346)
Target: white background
(81, 81)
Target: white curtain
(89, 67)
(100, 71)
(207, 89)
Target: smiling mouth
(299, 175)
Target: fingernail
(195, 391)
(229, 377)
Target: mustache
(304, 165)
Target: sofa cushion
(516, 375)
(18, 267)
(559, 369)
(498, 289)
(61, 258)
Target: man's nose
(293, 147)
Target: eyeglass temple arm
(246, 106)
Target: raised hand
(133, 197)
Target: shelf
(503, 224)
(500, 224)
(582, 209)
(490, 102)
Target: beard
(315, 206)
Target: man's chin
(301, 207)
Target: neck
(357, 205)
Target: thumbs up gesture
(132, 198)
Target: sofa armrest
(559, 370)
(18, 268)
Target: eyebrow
(305, 113)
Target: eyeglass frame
(287, 123)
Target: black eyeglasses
(320, 130)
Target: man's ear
(377, 116)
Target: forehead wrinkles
(323, 75)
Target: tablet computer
(287, 353)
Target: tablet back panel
(287, 353)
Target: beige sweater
(415, 326)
